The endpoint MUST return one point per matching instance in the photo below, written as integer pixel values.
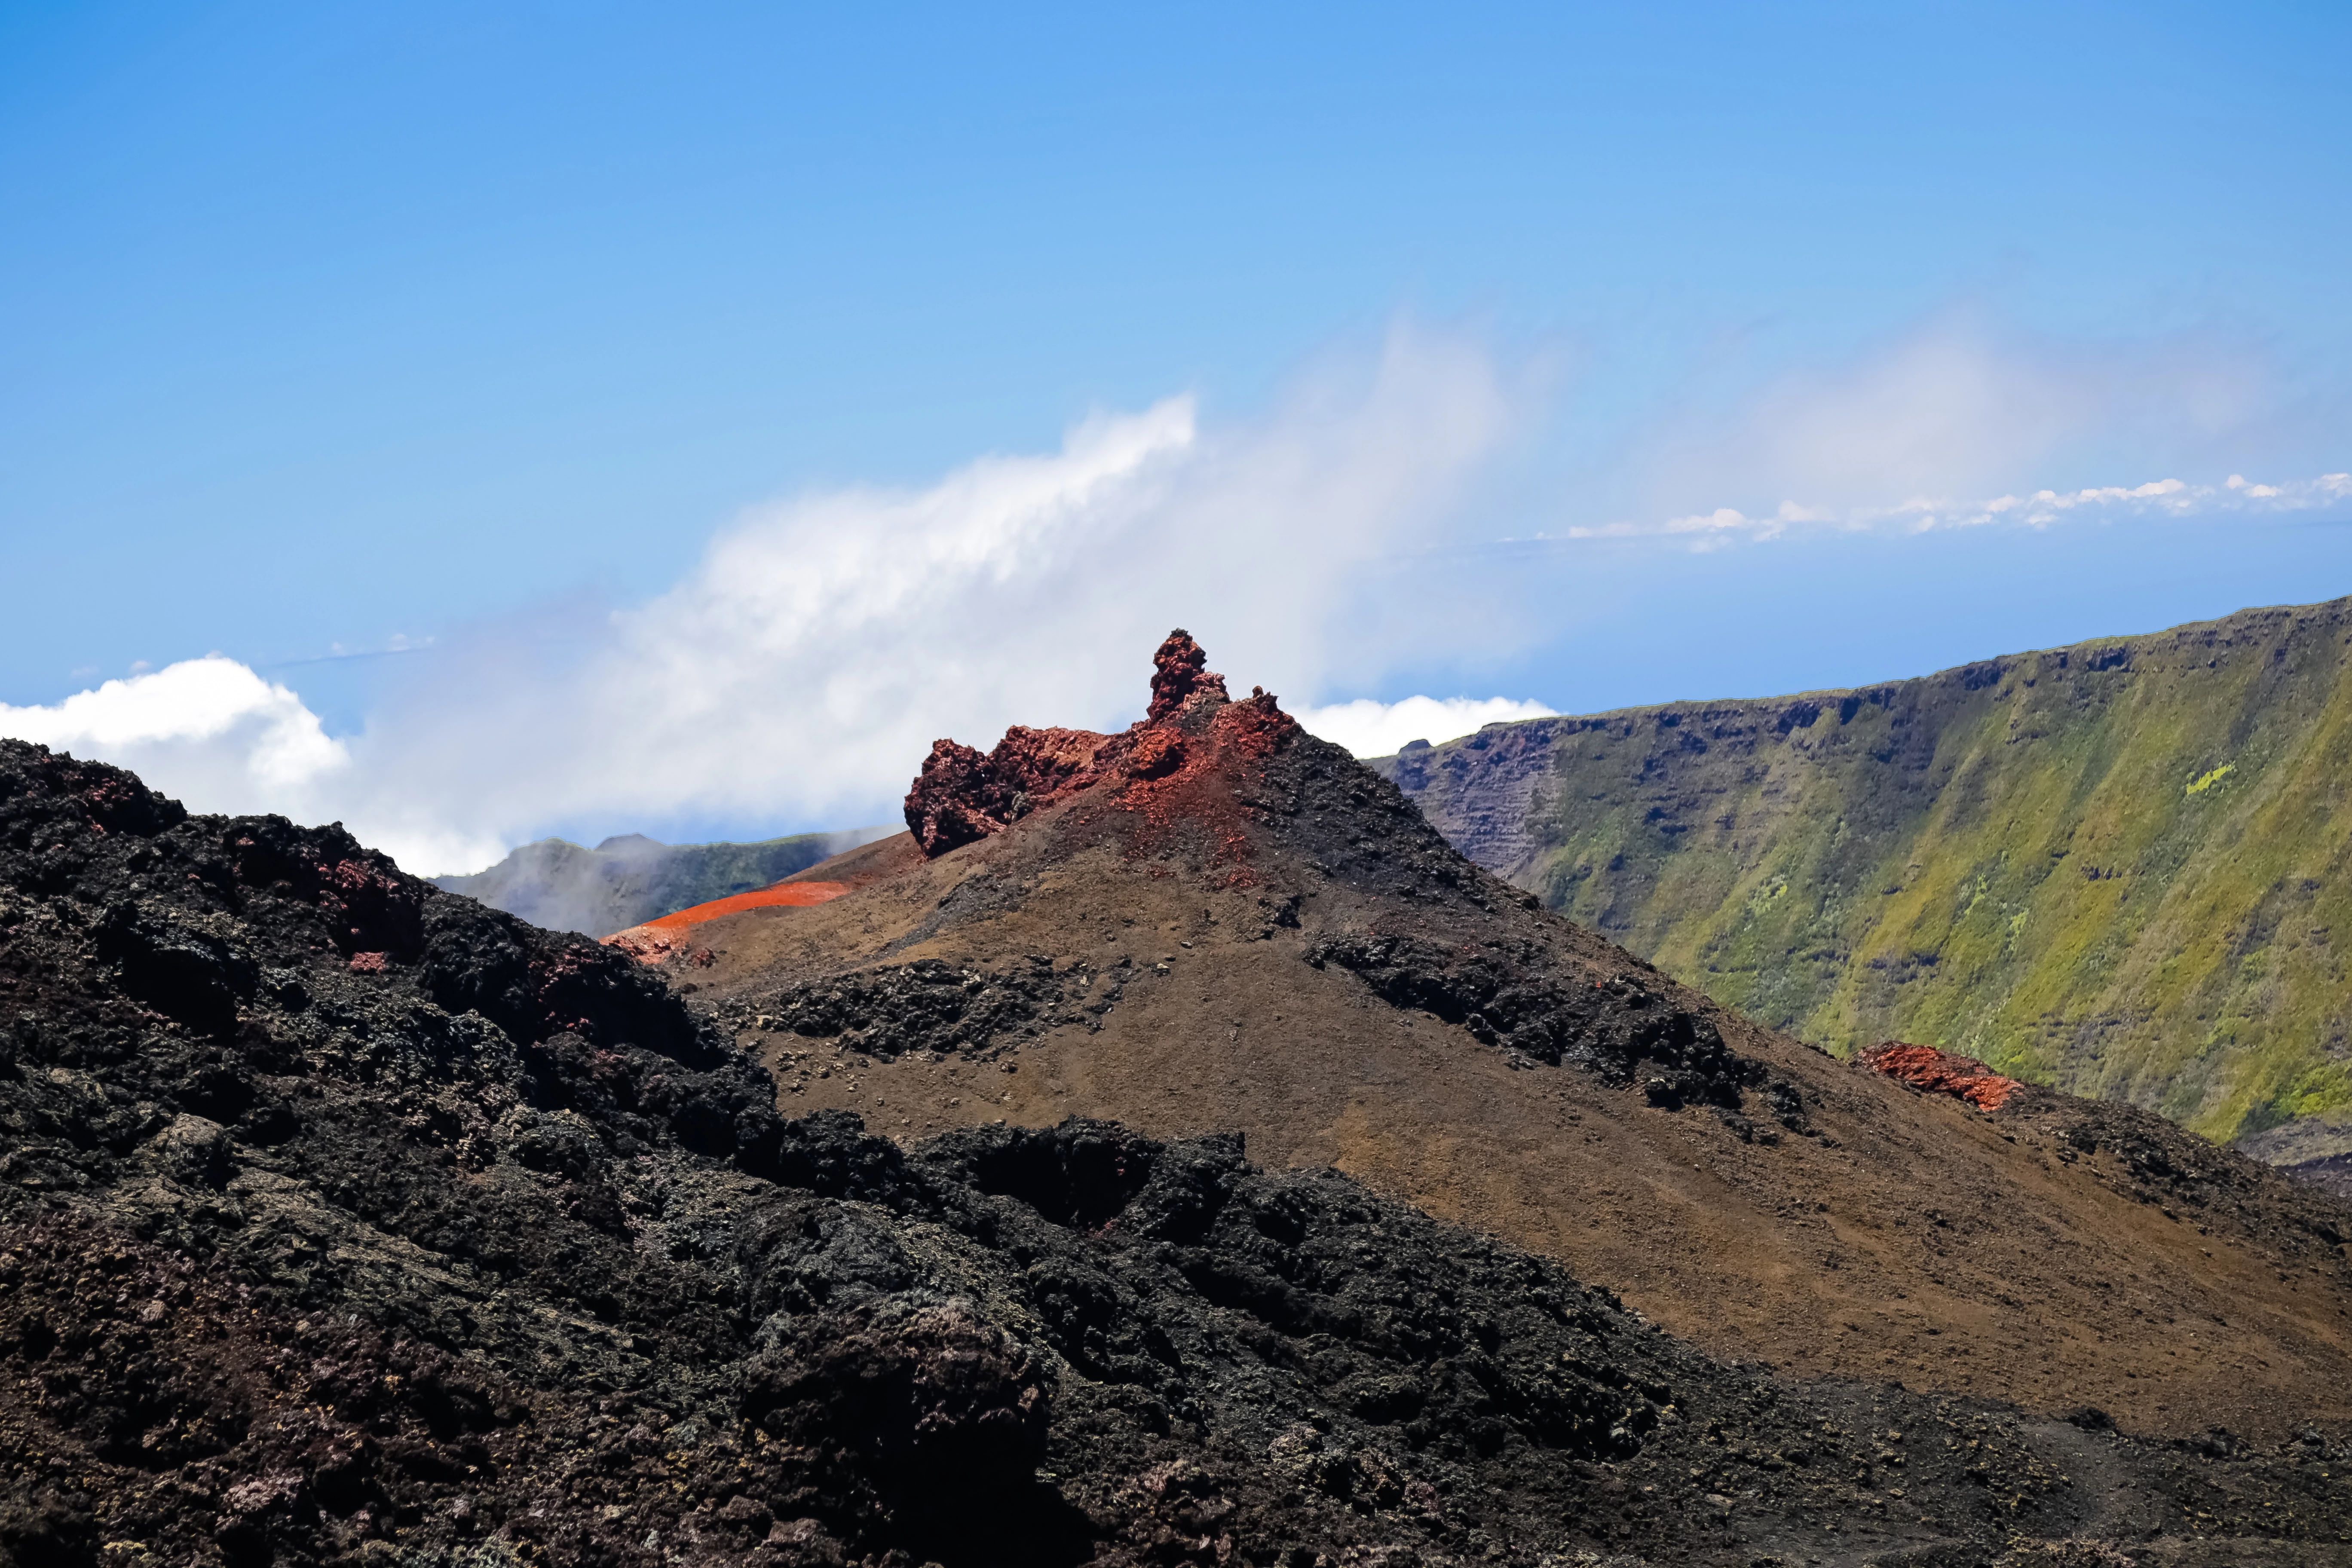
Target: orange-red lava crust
(657, 940)
(799, 894)
(1941, 1072)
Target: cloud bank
(214, 729)
(802, 668)
(1958, 405)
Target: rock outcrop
(1180, 674)
(962, 796)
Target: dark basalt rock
(1503, 999)
(345, 1221)
(928, 1006)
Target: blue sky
(325, 330)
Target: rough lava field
(1169, 1153)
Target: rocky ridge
(961, 796)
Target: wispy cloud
(2037, 508)
(1371, 729)
(1958, 404)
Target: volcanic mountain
(345, 1220)
(1214, 923)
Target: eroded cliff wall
(2118, 868)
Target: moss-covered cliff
(2119, 867)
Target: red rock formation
(1155, 754)
(1926, 1068)
(1180, 673)
(954, 799)
(1168, 779)
(961, 796)
(1040, 766)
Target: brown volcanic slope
(1221, 922)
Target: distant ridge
(2119, 867)
(629, 879)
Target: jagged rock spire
(1180, 673)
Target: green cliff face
(2119, 867)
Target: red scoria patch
(799, 895)
(644, 943)
(1241, 735)
(1940, 1072)
(1155, 754)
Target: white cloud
(2038, 509)
(1721, 518)
(207, 729)
(800, 671)
(1371, 728)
